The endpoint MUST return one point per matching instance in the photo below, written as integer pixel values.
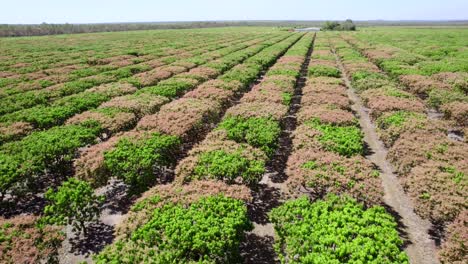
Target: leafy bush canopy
(221, 165)
(344, 140)
(134, 160)
(73, 203)
(207, 231)
(258, 132)
(322, 70)
(335, 230)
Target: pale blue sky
(96, 11)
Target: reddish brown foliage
(183, 116)
(455, 248)
(113, 89)
(336, 100)
(326, 115)
(152, 77)
(174, 69)
(222, 96)
(153, 63)
(352, 67)
(15, 130)
(417, 147)
(112, 124)
(439, 189)
(381, 52)
(139, 104)
(326, 172)
(304, 137)
(23, 243)
(421, 85)
(457, 111)
(383, 103)
(90, 165)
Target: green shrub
(287, 98)
(286, 72)
(344, 140)
(335, 230)
(74, 203)
(207, 231)
(42, 151)
(438, 97)
(170, 88)
(134, 160)
(396, 119)
(262, 133)
(225, 166)
(321, 70)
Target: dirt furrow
(258, 247)
(420, 247)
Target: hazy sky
(90, 11)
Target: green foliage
(287, 98)
(170, 88)
(134, 160)
(396, 119)
(344, 140)
(46, 116)
(286, 72)
(73, 203)
(43, 151)
(258, 132)
(335, 230)
(438, 97)
(219, 164)
(322, 70)
(207, 231)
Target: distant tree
(331, 25)
(348, 25)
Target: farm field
(235, 145)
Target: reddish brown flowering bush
(319, 173)
(139, 104)
(111, 123)
(222, 96)
(416, 147)
(422, 85)
(152, 77)
(185, 117)
(383, 103)
(455, 248)
(15, 130)
(113, 89)
(457, 111)
(326, 114)
(90, 165)
(174, 69)
(23, 242)
(438, 189)
(337, 100)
